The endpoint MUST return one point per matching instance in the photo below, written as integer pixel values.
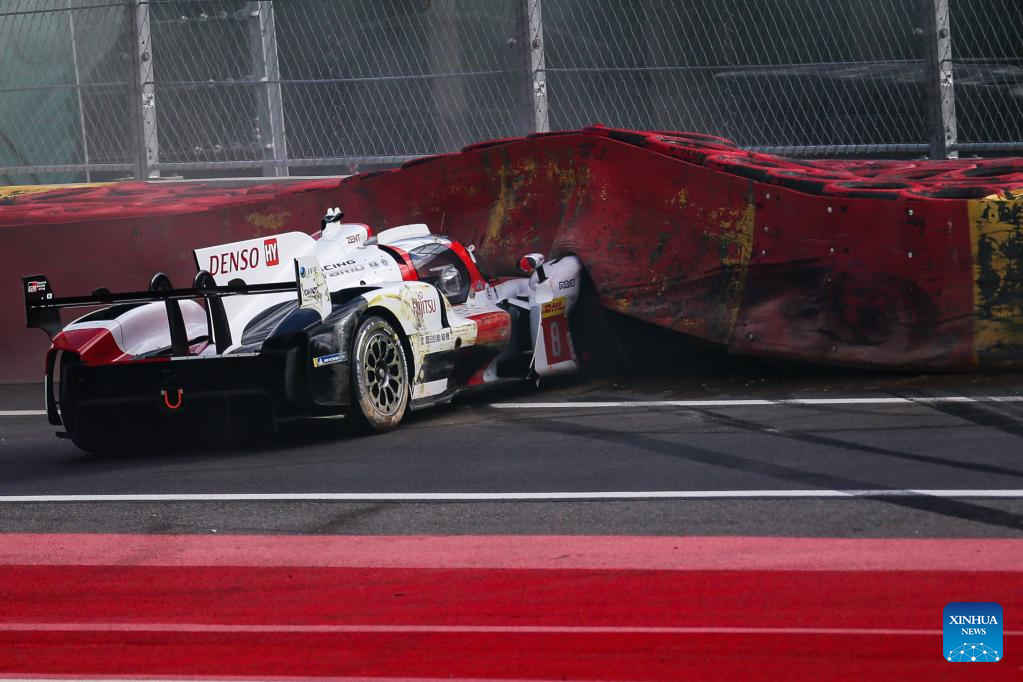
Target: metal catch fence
(97, 89)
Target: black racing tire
(97, 441)
(596, 333)
(102, 449)
(380, 377)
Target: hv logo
(271, 252)
(973, 632)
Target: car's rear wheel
(380, 376)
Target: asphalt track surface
(649, 537)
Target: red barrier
(869, 263)
(119, 235)
(862, 271)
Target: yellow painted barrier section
(996, 238)
(11, 191)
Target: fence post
(78, 89)
(266, 68)
(147, 149)
(537, 66)
(941, 103)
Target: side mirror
(530, 262)
(333, 215)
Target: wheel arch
(398, 304)
(387, 314)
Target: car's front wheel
(380, 376)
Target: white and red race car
(296, 326)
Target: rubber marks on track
(738, 402)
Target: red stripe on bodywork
(404, 260)
(95, 345)
(476, 279)
(492, 328)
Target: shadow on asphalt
(645, 362)
(959, 509)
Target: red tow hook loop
(167, 402)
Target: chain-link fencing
(65, 89)
(324, 83)
(96, 89)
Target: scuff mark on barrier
(997, 239)
(736, 248)
(500, 209)
(270, 222)
(9, 192)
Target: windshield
(438, 265)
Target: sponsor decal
(337, 269)
(313, 291)
(972, 632)
(331, 359)
(350, 266)
(34, 287)
(271, 251)
(234, 261)
(553, 308)
(246, 258)
(424, 306)
(554, 325)
(555, 339)
(567, 283)
(437, 337)
(354, 238)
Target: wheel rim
(384, 372)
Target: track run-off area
(793, 527)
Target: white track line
(888, 400)
(457, 629)
(22, 413)
(496, 496)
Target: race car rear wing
(42, 307)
